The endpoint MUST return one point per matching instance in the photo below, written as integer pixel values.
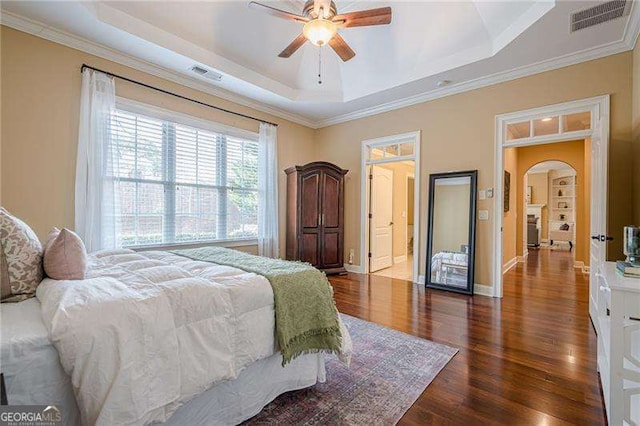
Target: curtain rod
(166, 92)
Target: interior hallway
(399, 271)
(529, 358)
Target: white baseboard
(523, 258)
(355, 269)
(479, 289)
(578, 264)
(400, 259)
(483, 290)
(510, 264)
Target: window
(178, 183)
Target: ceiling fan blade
(277, 12)
(295, 45)
(362, 18)
(341, 47)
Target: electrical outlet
(482, 194)
(352, 254)
(483, 214)
(490, 193)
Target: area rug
(389, 370)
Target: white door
(381, 219)
(598, 246)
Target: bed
(223, 343)
(449, 268)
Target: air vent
(603, 12)
(203, 72)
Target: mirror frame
(473, 175)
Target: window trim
(163, 114)
(240, 242)
(174, 117)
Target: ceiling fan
(321, 23)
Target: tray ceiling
(426, 43)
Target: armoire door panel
(309, 249)
(332, 250)
(310, 201)
(330, 191)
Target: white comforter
(145, 332)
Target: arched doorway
(551, 202)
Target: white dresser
(619, 346)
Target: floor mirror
(451, 234)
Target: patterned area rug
(389, 370)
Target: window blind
(177, 183)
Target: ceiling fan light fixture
(319, 31)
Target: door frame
(598, 106)
(364, 198)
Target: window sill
(196, 244)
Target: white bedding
(146, 332)
(30, 363)
(34, 376)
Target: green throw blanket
(306, 315)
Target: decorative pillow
(21, 263)
(65, 257)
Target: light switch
(490, 193)
(482, 194)
(483, 214)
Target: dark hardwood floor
(527, 359)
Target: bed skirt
(232, 402)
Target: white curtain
(268, 191)
(95, 200)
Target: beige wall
(540, 195)
(400, 201)
(636, 133)
(41, 84)
(458, 134)
(571, 153)
(510, 217)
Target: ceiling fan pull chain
(320, 65)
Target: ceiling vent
(603, 12)
(203, 72)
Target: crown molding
(626, 43)
(41, 30)
(490, 80)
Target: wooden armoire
(315, 215)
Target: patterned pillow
(21, 263)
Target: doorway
(389, 220)
(552, 203)
(390, 199)
(548, 214)
(585, 120)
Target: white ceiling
(469, 43)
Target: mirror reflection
(452, 218)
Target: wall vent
(203, 72)
(603, 12)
